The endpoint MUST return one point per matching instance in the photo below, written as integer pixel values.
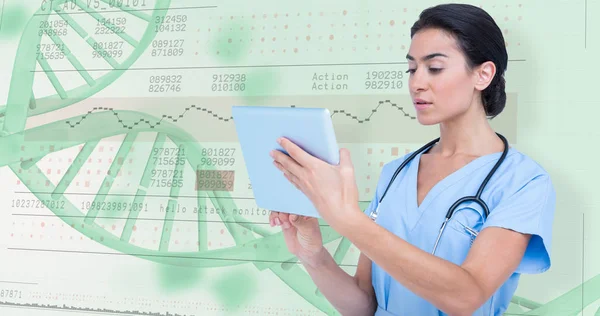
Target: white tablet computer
(258, 128)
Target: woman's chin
(425, 119)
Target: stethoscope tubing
(476, 198)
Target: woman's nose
(417, 81)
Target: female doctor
(456, 63)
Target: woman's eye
(433, 70)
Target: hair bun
(494, 97)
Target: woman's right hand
(302, 235)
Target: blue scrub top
(520, 197)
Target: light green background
(62, 260)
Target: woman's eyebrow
(430, 56)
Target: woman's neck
(469, 134)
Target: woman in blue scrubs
(456, 63)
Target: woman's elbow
(466, 305)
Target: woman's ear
(484, 74)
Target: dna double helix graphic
(21, 152)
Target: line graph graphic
(151, 124)
(356, 118)
(209, 112)
(368, 118)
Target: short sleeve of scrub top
(520, 197)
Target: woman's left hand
(331, 188)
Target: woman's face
(441, 87)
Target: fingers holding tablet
(279, 219)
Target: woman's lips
(421, 104)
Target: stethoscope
(477, 198)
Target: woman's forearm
(448, 286)
(340, 288)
